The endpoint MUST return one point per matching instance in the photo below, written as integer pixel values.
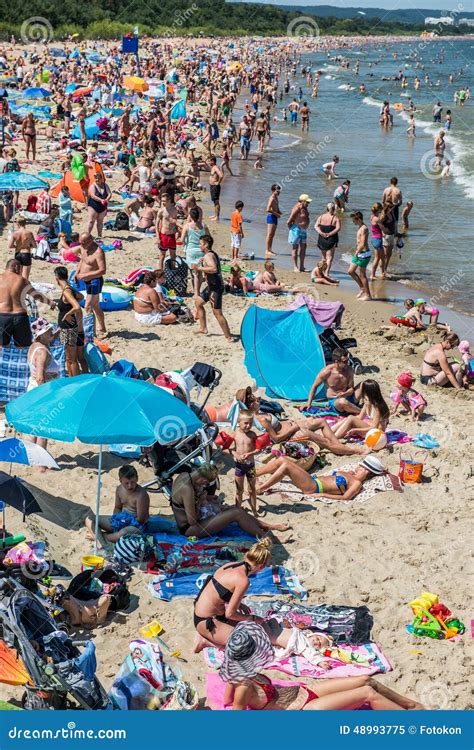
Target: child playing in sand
(236, 231)
(405, 214)
(131, 510)
(238, 281)
(467, 362)
(416, 309)
(244, 452)
(405, 395)
(318, 275)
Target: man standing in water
(304, 112)
(361, 258)
(273, 214)
(392, 194)
(439, 147)
(298, 223)
(293, 109)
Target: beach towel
(275, 580)
(172, 536)
(326, 314)
(371, 660)
(371, 487)
(344, 623)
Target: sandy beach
(382, 553)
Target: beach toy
(152, 630)
(12, 541)
(92, 562)
(433, 619)
(103, 346)
(376, 439)
(399, 320)
(410, 469)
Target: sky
(387, 4)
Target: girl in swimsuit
(374, 414)
(249, 651)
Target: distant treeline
(110, 19)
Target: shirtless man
(22, 242)
(91, 269)
(124, 124)
(131, 510)
(305, 112)
(361, 258)
(216, 176)
(273, 214)
(293, 109)
(14, 321)
(298, 223)
(147, 215)
(393, 194)
(439, 147)
(245, 134)
(338, 379)
(166, 228)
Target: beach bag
(176, 275)
(411, 468)
(122, 222)
(183, 698)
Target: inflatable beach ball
(376, 439)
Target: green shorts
(361, 262)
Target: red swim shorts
(167, 241)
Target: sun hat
(405, 379)
(464, 347)
(40, 326)
(247, 652)
(420, 301)
(305, 197)
(373, 465)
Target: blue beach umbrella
(35, 92)
(21, 181)
(99, 410)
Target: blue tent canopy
(35, 92)
(21, 181)
(282, 351)
(92, 131)
(178, 110)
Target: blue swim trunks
(120, 520)
(293, 116)
(272, 219)
(94, 286)
(332, 401)
(297, 235)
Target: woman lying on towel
(340, 485)
(199, 514)
(249, 651)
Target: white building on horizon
(444, 20)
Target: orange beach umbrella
(134, 83)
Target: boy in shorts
(236, 232)
(245, 450)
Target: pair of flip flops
(423, 440)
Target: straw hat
(247, 652)
(373, 465)
(305, 197)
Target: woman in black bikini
(218, 608)
(97, 201)
(28, 131)
(436, 370)
(70, 324)
(327, 226)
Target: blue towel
(172, 535)
(268, 581)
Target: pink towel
(299, 667)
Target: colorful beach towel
(232, 532)
(371, 487)
(275, 580)
(371, 657)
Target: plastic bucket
(92, 562)
(411, 469)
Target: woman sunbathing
(249, 651)
(340, 485)
(375, 413)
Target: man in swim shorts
(22, 242)
(298, 223)
(14, 321)
(166, 228)
(273, 214)
(293, 109)
(216, 176)
(338, 379)
(91, 270)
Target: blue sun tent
(282, 351)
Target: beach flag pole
(97, 500)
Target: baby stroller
(52, 660)
(179, 457)
(330, 341)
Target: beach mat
(271, 581)
(232, 532)
(371, 487)
(298, 666)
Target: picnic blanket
(383, 483)
(344, 623)
(368, 659)
(275, 580)
(171, 535)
